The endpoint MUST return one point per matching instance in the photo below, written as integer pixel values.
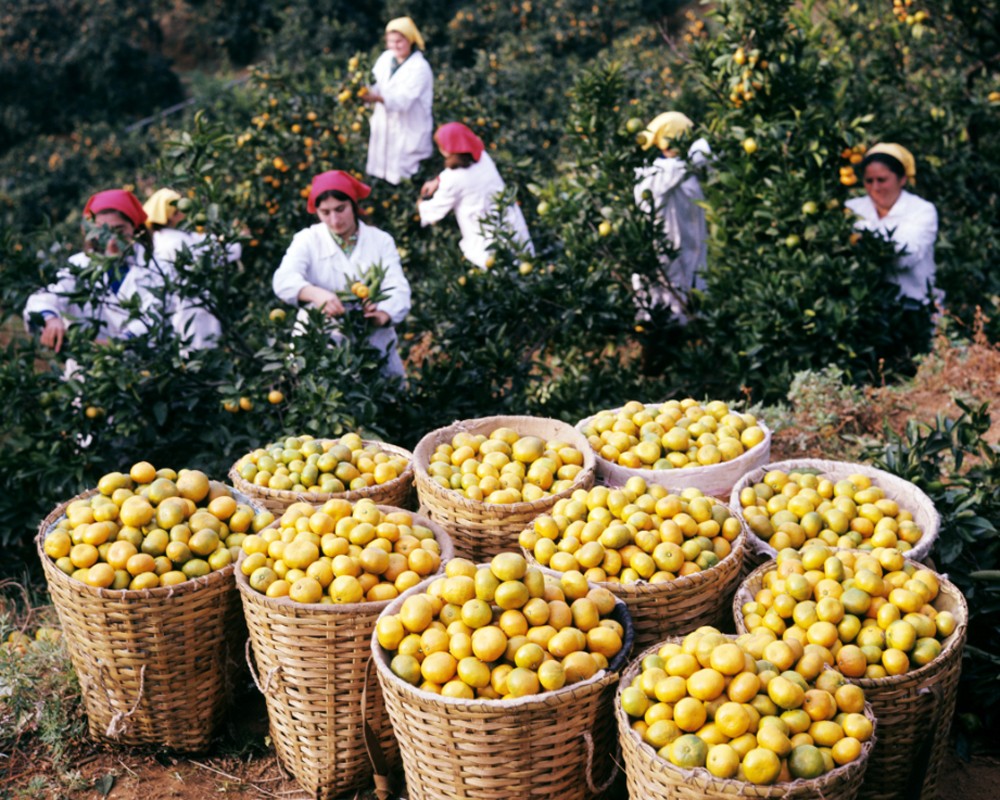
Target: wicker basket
(310, 661)
(397, 493)
(914, 710)
(677, 607)
(715, 479)
(651, 777)
(557, 745)
(156, 666)
(902, 491)
(481, 530)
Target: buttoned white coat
(402, 125)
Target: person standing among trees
(116, 269)
(336, 252)
(910, 223)
(401, 98)
(670, 190)
(469, 185)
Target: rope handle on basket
(922, 756)
(589, 773)
(116, 725)
(253, 672)
(380, 767)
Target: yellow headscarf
(160, 207)
(901, 154)
(664, 128)
(408, 28)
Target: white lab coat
(115, 322)
(911, 223)
(402, 126)
(675, 195)
(472, 194)
(314, 259)
(189, 318)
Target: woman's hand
(380, 318)
(370, 98)
(53, 333)
(323, 299)
(428, 189)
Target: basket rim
(645, 588)
(736, 786)
(365, 606)
(693, 472)
(918, 552)
(421, 459)
(321, 497)
(157, 592)
(952, 644)
(600, 679)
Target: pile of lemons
(790, 509)
(744, 710)
(674, 435)
(340, 553)
(499, 631)
(636, 532)
(870, 614)
(303, 463)
(505, 467)
(149, 528)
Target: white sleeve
(917, 232)
(291, 277)
(436, 208)
(53, 298)
(407, 86)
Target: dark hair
(336, 194)
(459, 160)
(894, 165)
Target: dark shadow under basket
(551, 746)
(397, 492)
(156, 666)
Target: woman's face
(338, 216)
(121, 231)
(398, 45)
(883, 185)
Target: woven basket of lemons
(301, 469)
(310, 630)
(677, 444)
(483, 480)
(527, 710)
(151, 619)
(788, 503)
(702, 743)
(899, 635)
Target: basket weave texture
(651, 777)
(310, 661)
(714, 479)
(909, 497)
(556, 745)
(480, 530)
(914, 710)
(156, 666)
(397, 493)
(677, 607)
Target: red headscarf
(116, 200)
(337, 181)
(454, 137)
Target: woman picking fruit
(401, 100)
(469, 186)
(111, 219)
(331, 255)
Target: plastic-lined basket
(156, 666)
(310, 663)
(914, 710)
(480, 530)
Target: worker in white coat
(337, 251)
(669, 188)
(192, 321)
(470, 185)
(112, 219)
(401, 98)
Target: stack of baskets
(156, 666)
(310, 666)
(480, 530)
